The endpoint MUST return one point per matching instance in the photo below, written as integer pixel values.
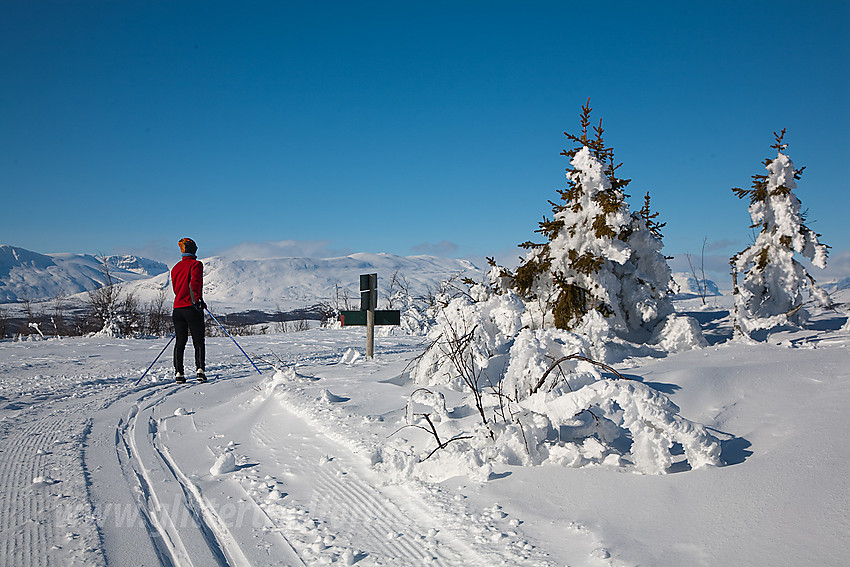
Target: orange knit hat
(188, 246)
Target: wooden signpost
(368, 314)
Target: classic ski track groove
(167, 538)
(214, 528)
(141, 492)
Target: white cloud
(283, 249)
(723, 245)
(443, 248)
(716, 266)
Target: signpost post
(369, 315)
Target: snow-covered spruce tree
(768, 282)
(599, 257)
(527, 347)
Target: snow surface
(312, 464)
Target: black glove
(200, 305)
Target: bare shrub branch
(558, 362)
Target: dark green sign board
(368, 292)
(382, 317)
(368, 305)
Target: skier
(187, 280)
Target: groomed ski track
(323, 506)
(296, 496)
(95, 470)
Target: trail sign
(382, 317)
(368, 314)
(352, 318)
(368, 292)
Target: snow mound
(42, 481)
(350, 356)
(532, 355)
(226, 463)
(331, 398)
(288, 375)
(435, 401)
(280, 376)
(556, 405)
(688, 286)
(484, 323)
(648, 415)
(677, 333)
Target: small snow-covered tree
(538, 395)
(769, 282)
(104, 303)
(598, 257)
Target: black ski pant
(186, 320)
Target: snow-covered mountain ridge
(688, 286)
(27, 275)
(141, 266)
(292, 283)
(229, 283)
(250, 283)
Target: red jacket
(188, 269)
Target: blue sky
(333, 127)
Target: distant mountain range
(841, 284)
(141, 266)
(229, 284)
(292, 283)
(27, 275)
(688, 286)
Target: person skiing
(187, 281)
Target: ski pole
(154, 360)
(234, 341)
